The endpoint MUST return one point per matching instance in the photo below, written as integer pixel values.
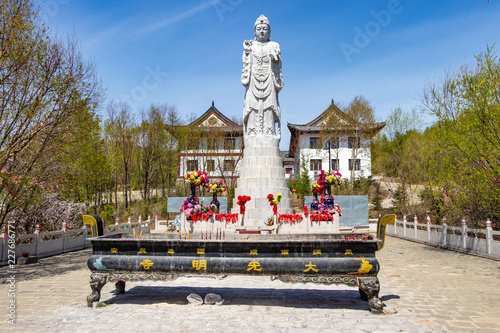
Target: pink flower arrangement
(326, 177)
(330, 177)
(198, 178)
(218, 187)
(197, 209)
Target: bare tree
(360, 127)
(169, 156)
(354, 126)
(44, 82)
(119, 130)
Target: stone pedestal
(261, 173)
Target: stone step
(271, 183)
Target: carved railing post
(37, 239)
(464, 234)
(428, 228)
(404, 225)
(415, 225)
(489, 236)
(64, 230)
(445, 231)
(3, 256)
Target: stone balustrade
(45, 244)
(479, 241)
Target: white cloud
(174, 19)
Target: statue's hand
(274, 55)
(247, 46)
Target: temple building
(333, 136)
(214, 143)
(211, 143)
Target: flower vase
(215, 202)
(192, 197)
(328, 199)
(315, 204)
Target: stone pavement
(425, 289)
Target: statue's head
(262, 29)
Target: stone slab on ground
(425, 289)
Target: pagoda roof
(345, 125)
(211, 120)
(214, 112)
(345, 122)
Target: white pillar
(445, 231)
(415, 225)
(404, 225)
(37, 239)
(183, 222)
(4, 244)
(64, 229)
(336, 222)
(464, 234)
(428, 228)
(489, 236)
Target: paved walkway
(425, 289)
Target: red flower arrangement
(227, 217)
(274, 202)
(290, 218)
(242, 200)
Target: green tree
(119, 129)
(45, 85)
(302, 184)
(467, 133)
(377, 202)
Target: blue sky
(188, 53)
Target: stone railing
(479, 241)
(45, 244)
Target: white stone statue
(262, 78)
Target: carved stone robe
(263, 80)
